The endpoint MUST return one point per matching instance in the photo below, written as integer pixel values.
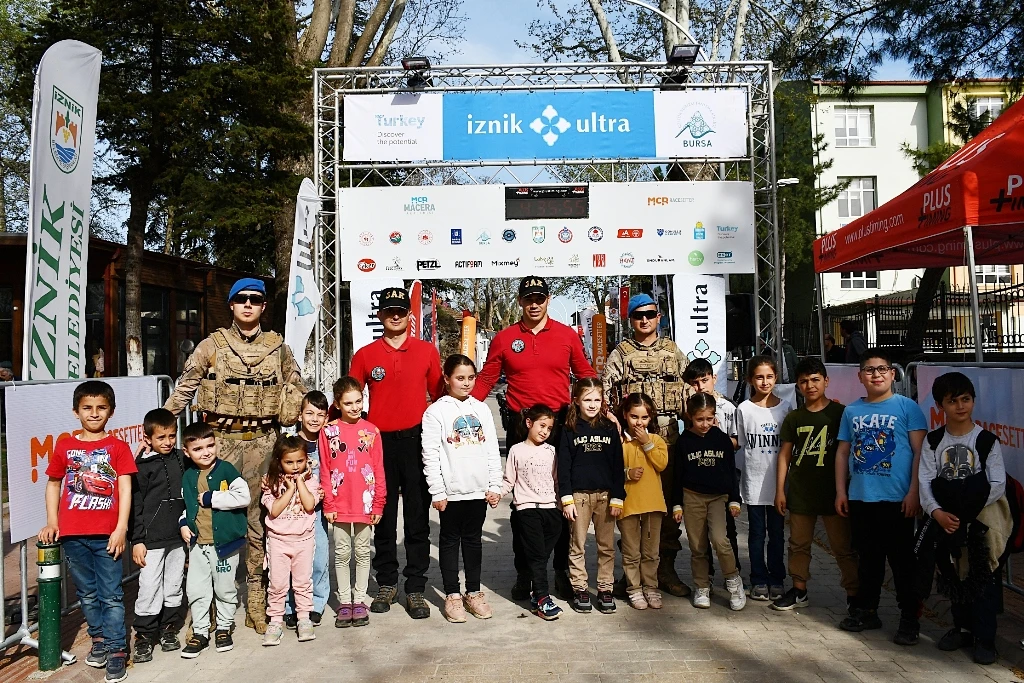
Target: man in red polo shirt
(537, 355)
(400, 371)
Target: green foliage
(193, 107)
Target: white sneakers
(737, 598)
(702, 598)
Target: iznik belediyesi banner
(559, 124)
(63, 133)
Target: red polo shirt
(399, 381)
(536, 365)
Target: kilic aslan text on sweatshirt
(590, 459)
(705, 464)
(460, 450)
(352, 471)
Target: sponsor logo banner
(699, 310)
(624, 232)
(393, 127)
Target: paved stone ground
(677, 643)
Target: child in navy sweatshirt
(591, 485)
(705, 484)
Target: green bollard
(50, 565)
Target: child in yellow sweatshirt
(645, 455)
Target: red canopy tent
(969, 210)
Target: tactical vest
(246, 379)
(652, 370)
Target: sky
(493, 26)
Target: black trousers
(517, 434)
(170, 619)
(403, 472)
(881, 533)
(979, 617)
(539, 532)
(462, 524)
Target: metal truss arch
(332, 173)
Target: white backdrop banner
(303, 292)
(844, 383)
(63, 133)
(462, 231)
(393, 127)
(699, 317)
(999, 406)
(40, 415)
(365, 304)
(701, 123)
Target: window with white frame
(859, 279)
(992, 275)
(855, 127)
(858, 198)
(993, 106)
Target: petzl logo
(549, 125)
(65, 130)
(427, 265)
(366, 265)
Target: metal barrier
(23, 635)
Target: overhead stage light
(417, 66)
(683, 55)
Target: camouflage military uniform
(244, 408)
(656, 370)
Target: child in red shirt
(88, 502)
(352, 478)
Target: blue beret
(639, 300)
(247, 284)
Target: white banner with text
(699, 317)
(40, 415)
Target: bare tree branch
(314, 38)
(373, 24)
(384, 44)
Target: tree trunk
(377, 58)
(141, 194)
(930, 281)
(741, 28)
(611, 46)
(669, 33)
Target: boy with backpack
(963, 480)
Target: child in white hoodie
(463, 471)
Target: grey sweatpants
(160, 581)
(211, 578)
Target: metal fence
(885, 320)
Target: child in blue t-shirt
(880, 439)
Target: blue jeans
(321, 577)
(97, 577)
(766, 522)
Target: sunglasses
(254, 299)
(650, 315)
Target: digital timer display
(532, 202)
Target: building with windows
(182, 302)
(865, 139)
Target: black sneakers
(143, 650)
(861, 620)
(581, 602)
(316, 617)
(908, 632)
(97, 657)
(169, 640)
(291, 621)
(954, 639)
(521, 588)
(794, 598)
(195, 646)
(416, 605)
(222, 639)
(985, 653)
(605, 602)
(385, 596)
(117, 667)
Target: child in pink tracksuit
(290, 495)
(352, 478)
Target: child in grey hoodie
(462, 467)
